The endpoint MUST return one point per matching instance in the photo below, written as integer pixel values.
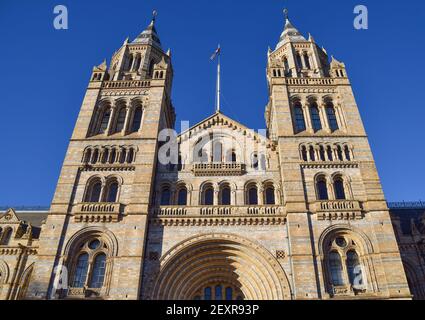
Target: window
(113, 156)
(95, 156)
(105, 156)
(87, 156)
(218, 293)
(151, 67)
(93, 192)
(225, 196)
(131, 156)
(89, 268)
(315, 117)
(98, 272)
(286, 64)
(304, 153)
(339, 188)
(344, 264)
(182, 197)
(322, 153)
(121, 120)
(218, 152)
(105, 121)
(7, 235)
(252, 195)
(80, 273)
(322, 189)
(207, 293)
(339, 153)
(231, 156)
(335, 267)
(209, 196)
(299, 61)
(123, 156)
(165, 196)
(333, 123)
(347, 153)
(330, 153)
(354, 269)
(254, 161)
(299, 119)
(137, 120)
(312, 153)
(112, 193)
(229, 294)
(270, 199)
(307, 60)
(129, 63)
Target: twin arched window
(95, 192)
(343, 263)
(90, 266)
(322, 188)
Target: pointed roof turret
(290, 33)
(149, 36)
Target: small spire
(310, 37)
(285, 13)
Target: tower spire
(149, 35)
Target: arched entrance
(220, 267)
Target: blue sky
(45, 72)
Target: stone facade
(295, 213)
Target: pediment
(219, 120)
(9, 217)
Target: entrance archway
(220, 262)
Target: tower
(337, 219)
(98, 218)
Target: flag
(216, 53)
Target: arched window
(137, 64)
(113, 156)
(182, 197)
(335, 268)
(218, 293)
(98, 271)
(312, 153)
(87, 156)
(165, 196)
(129, 62)
(225, 196)
(322, 153)
(330, 153)
(7, 235)
(347, 153)
(322, 188)
(105, 121)
(95, 157)
(218, 152)
(80, 273)
(339, 188)
(299, 61)
(137, 120)
(231, 156)
(123, 156)
(339, 153)
(354, 269)
(252, 195)
(112, 193)
(131, 155)
(229, 294)
(315, 117)
(207, 294)
(121, 119)
(93, 191)
(269, 196)
(254, 161)
(299, 119)
(304, 153)
(307, 60)
(105, 156)
(208, 197)
(330, 112)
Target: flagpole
(218, 84)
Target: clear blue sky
(44, 74)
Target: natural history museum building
(297, 213)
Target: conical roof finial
(154, 14)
